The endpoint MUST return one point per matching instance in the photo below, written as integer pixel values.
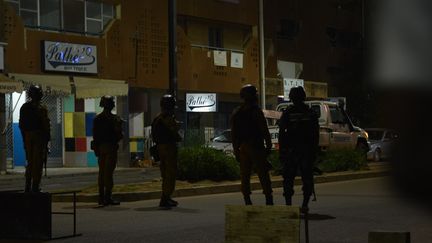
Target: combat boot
(305, 208)
(108, 199)
(173, 202)
(167, 203)
(247, 200)
(35, 188)
(101, 201)
(27, 187)
(269, 200)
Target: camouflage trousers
(295, 161)
(36, 153)
(107, 160)
(168, 168)
(252, 157)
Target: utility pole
(172, 46)
(262, 57)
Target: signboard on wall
(220, 58)
(1, 58)
(236, 60)
(68, 57)
(201, 102)
(291, 83)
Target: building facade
(320, 42)
(80, 50)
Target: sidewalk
(19, 171)
(376, 170)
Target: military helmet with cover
(168, 102)
(107, 102)
(297, 94)
(249, 92)
(35, 92)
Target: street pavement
(76, 178)
(68, 179)
(344, 213)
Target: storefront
(7, 86)
(72, 94)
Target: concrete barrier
(255, 224)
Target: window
(344, 39)
(50, 16)
(73, 15)
(336, 115)
(215, 37)
(107, 13)
(288, 29)
(79, 16)
(375, 134)
(28, 12)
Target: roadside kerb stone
(277, 182)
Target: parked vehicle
(336, 128)
(381, 142)
(223, 142)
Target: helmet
(107, 102)
(168, 102)
(249, 92)
(35, 92)
(297, 94)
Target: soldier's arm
(264, 129)
(171, 124)
(119, 128)
(46, 124)
(234, 134)
(96, 129)
(283, 122)
(315, 129)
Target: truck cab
(336, 129)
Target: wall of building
(310, 42)
(134, 48)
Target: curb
(218, 189)
(16, 176)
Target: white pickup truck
(336, 128)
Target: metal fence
(9, 132)
(54, 105)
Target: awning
(93, 87)
(51, 83)
(8, 85)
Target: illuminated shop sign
(1, 58)
(201, 102)
(67, 57)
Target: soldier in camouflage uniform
(165, 133)
(107, 132)
(35, 129)
(249, 131)
(298, 145)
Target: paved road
(345, 212)
(78, 179)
